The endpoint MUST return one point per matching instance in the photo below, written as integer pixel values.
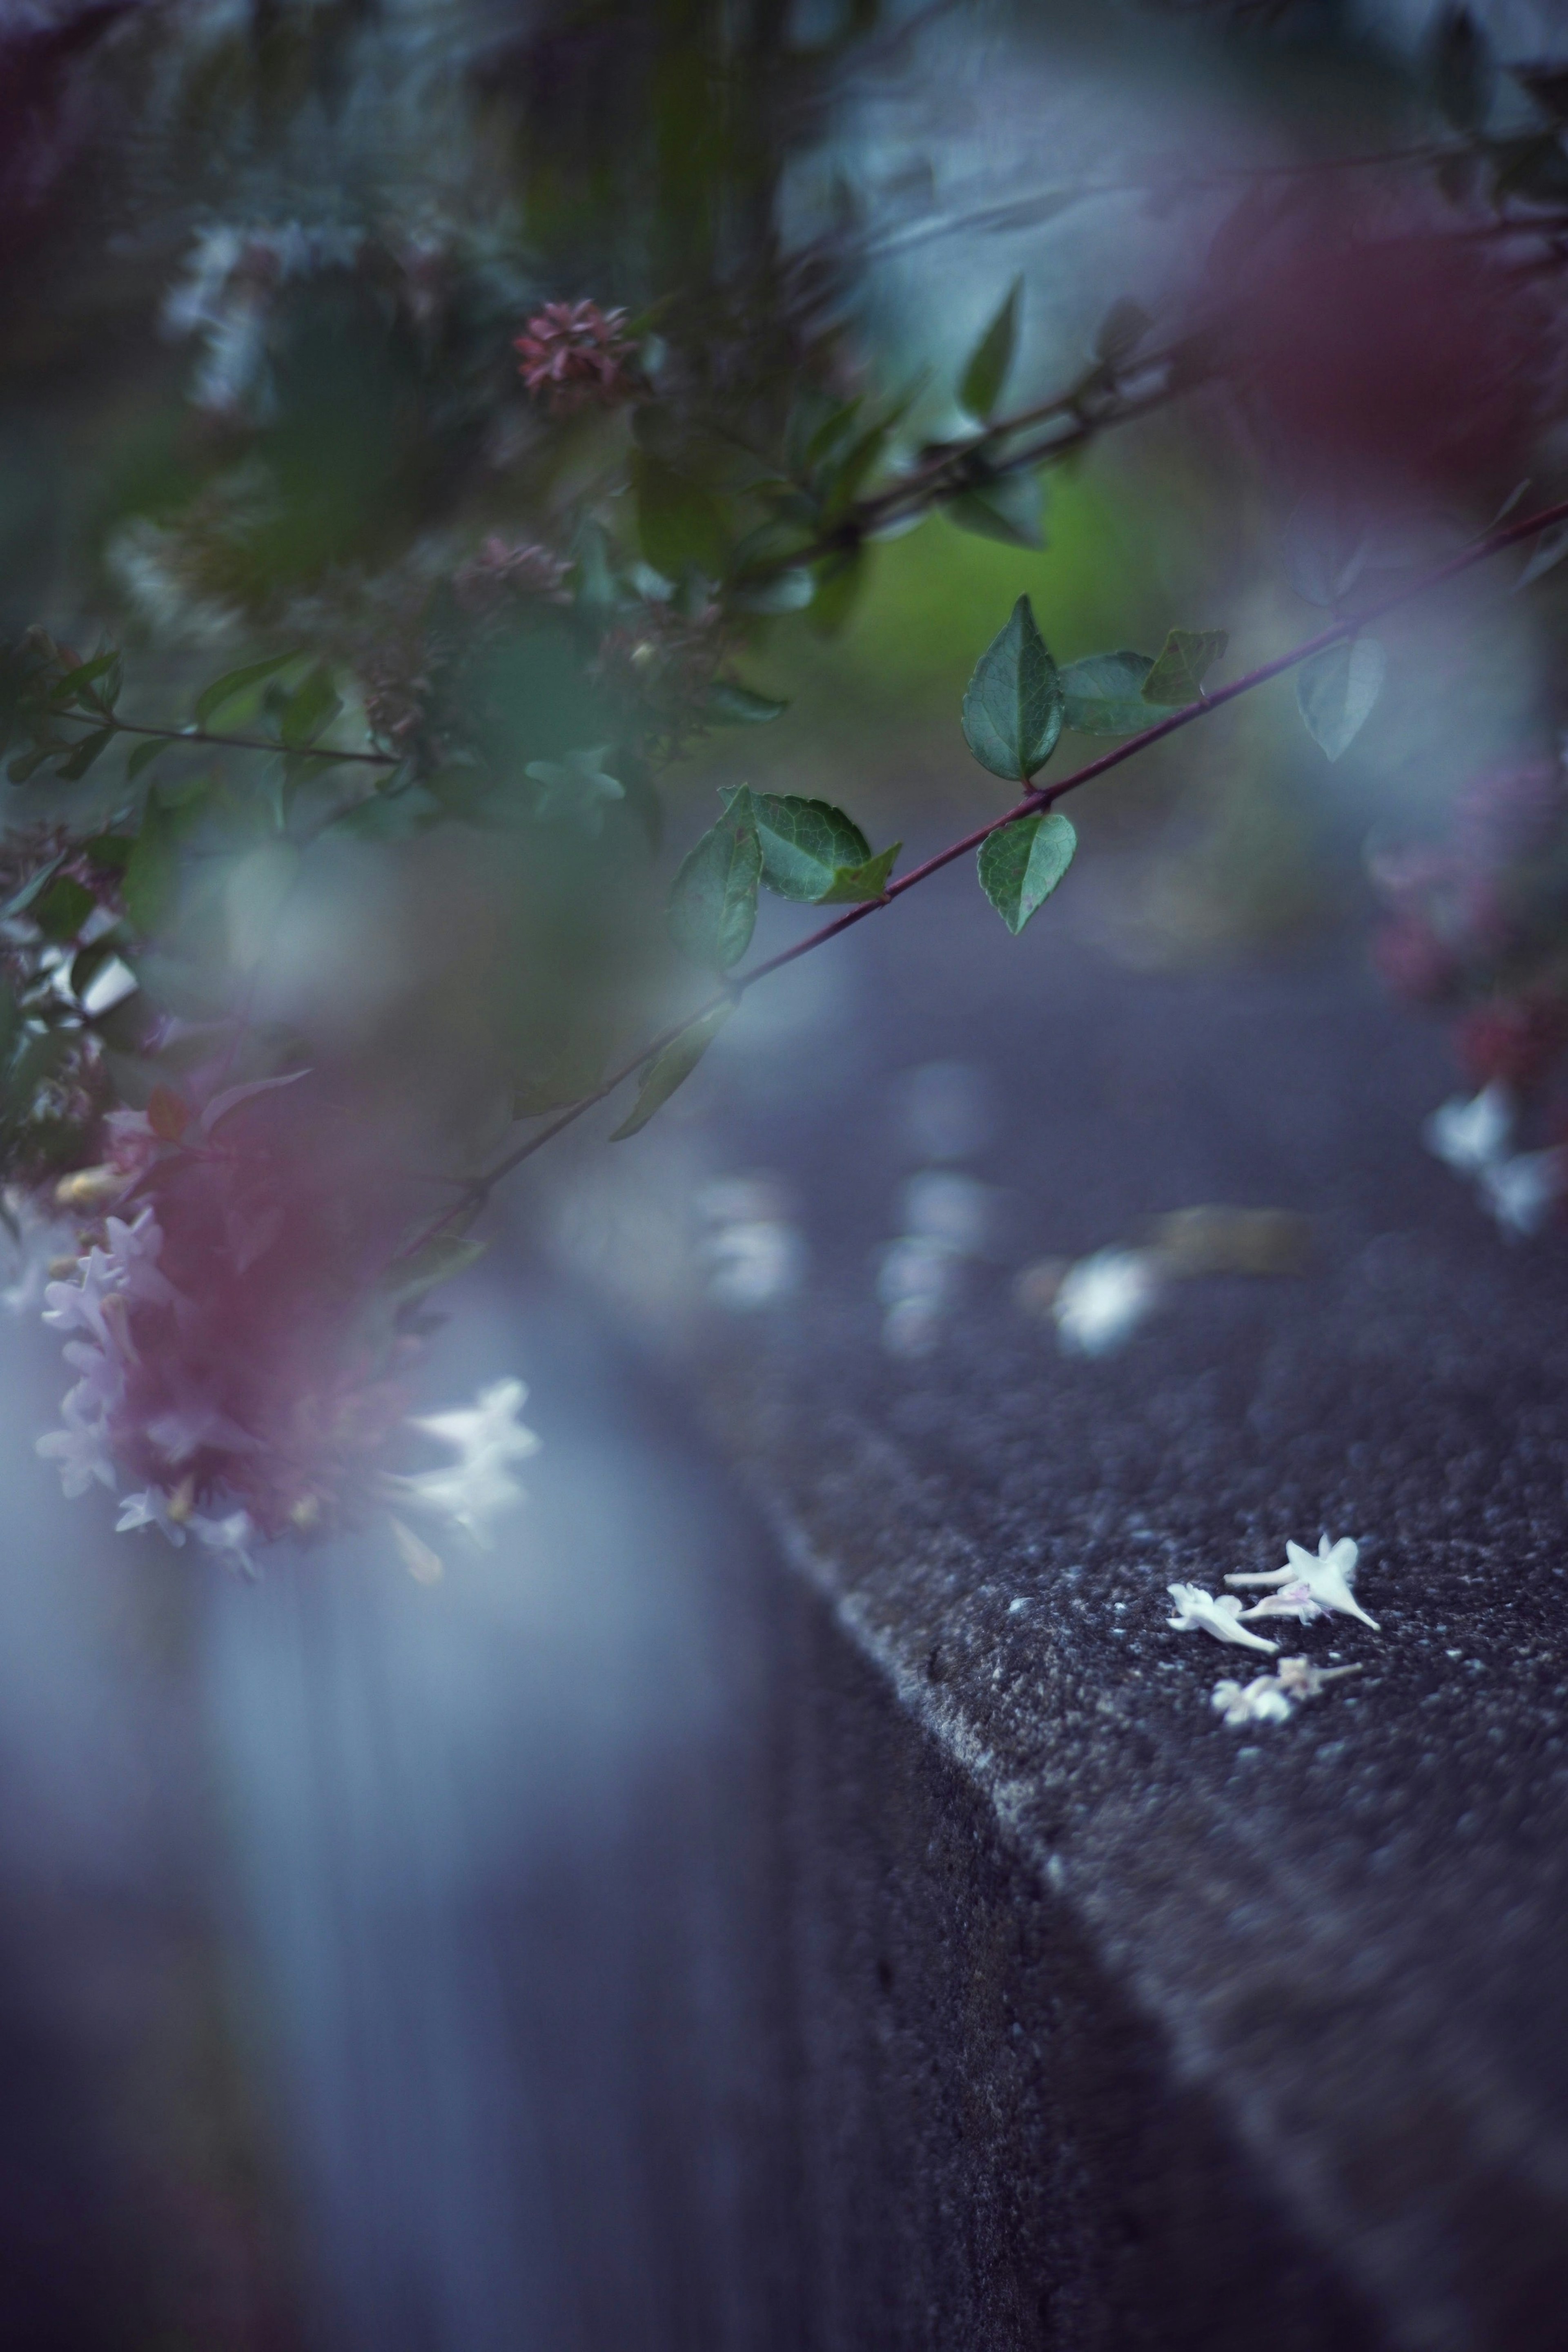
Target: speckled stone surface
(1344, 1937)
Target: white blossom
(1471, 1135)
(1262, 1701)
(486, 1437)
(1198, 1610)
(80, 1448)
(148, 1509)
(1103, 1298)
(1328, 1574)
(1522, 1191)
(1289, 1601)
(230, 1538)
(1300, 1679)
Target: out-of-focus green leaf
(309, 709)
(440, 1259)
(678, 521)
(1005, 508)
(1184, 661)
(1020, 866)
(1014, 704)
(235, 682)
(152, 875)
(78, 682)
(840, 583)
(89, 748)
(63, 908)
(853, 885)
(1104, 694)
(713, 900)
(144, 756)
(980, 388)
(1335, 691)
(789, 590)
(671, 1069)
(730, 704)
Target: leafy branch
(668, 1057)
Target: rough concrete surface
(1332, 1951)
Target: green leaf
(713, 900)
(1007, 508)
(153, 873)
(32, 888)
(312, 706)
(840, 582)
(730, 704)
(144, 755)
(1463, 69)
(440, 1259)
(110, 850)
(63, 908)
(980, 385)
(1336, 689)
(235, 682)
(26, 765)
(72, 770)
(1183, 662)
(672, 1068)
(789, 590)
(1104, 694)
(853, 885)
(1549, 550)
(1013, 706)
(678, 522)
(1122, 330)
(805, 843)
(1325, 547)
(75, 685)
(1021, 864)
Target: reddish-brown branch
(1031, 804)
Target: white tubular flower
(1522, 1192)
(1300, 1679)
(1328, 1575)
(148, 1509)
(1289, 1601)
(81, 1305)
(1103, 1298)
(1470, 1136)
(133, 1253)
(229, 1538)
(1200, 1610)
(1262, 1701)
(486, 1437)
(80, 1447)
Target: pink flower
(576, 353)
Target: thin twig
(1033, 803)
(229, 742)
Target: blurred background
(386, 1963)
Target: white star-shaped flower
(1522, 1192)
(486, 1436)
(1103, 1298)
(230, 1538)
(1469, 1135)
(1198, 1610)
(1327, 1574)
(148, 1509)
(1262, 1701)
(80, 1448)
(1288, 1600)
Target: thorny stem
(1032, 804)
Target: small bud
(85, 1188)
(183, 1501)
(306, 1513)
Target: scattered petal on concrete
(1196, 1609)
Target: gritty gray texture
(1349, 1933)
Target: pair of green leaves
(1018, 701)
(800, 849)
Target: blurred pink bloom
(576, 353)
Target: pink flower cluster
(575, 353)
(240, 1374)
